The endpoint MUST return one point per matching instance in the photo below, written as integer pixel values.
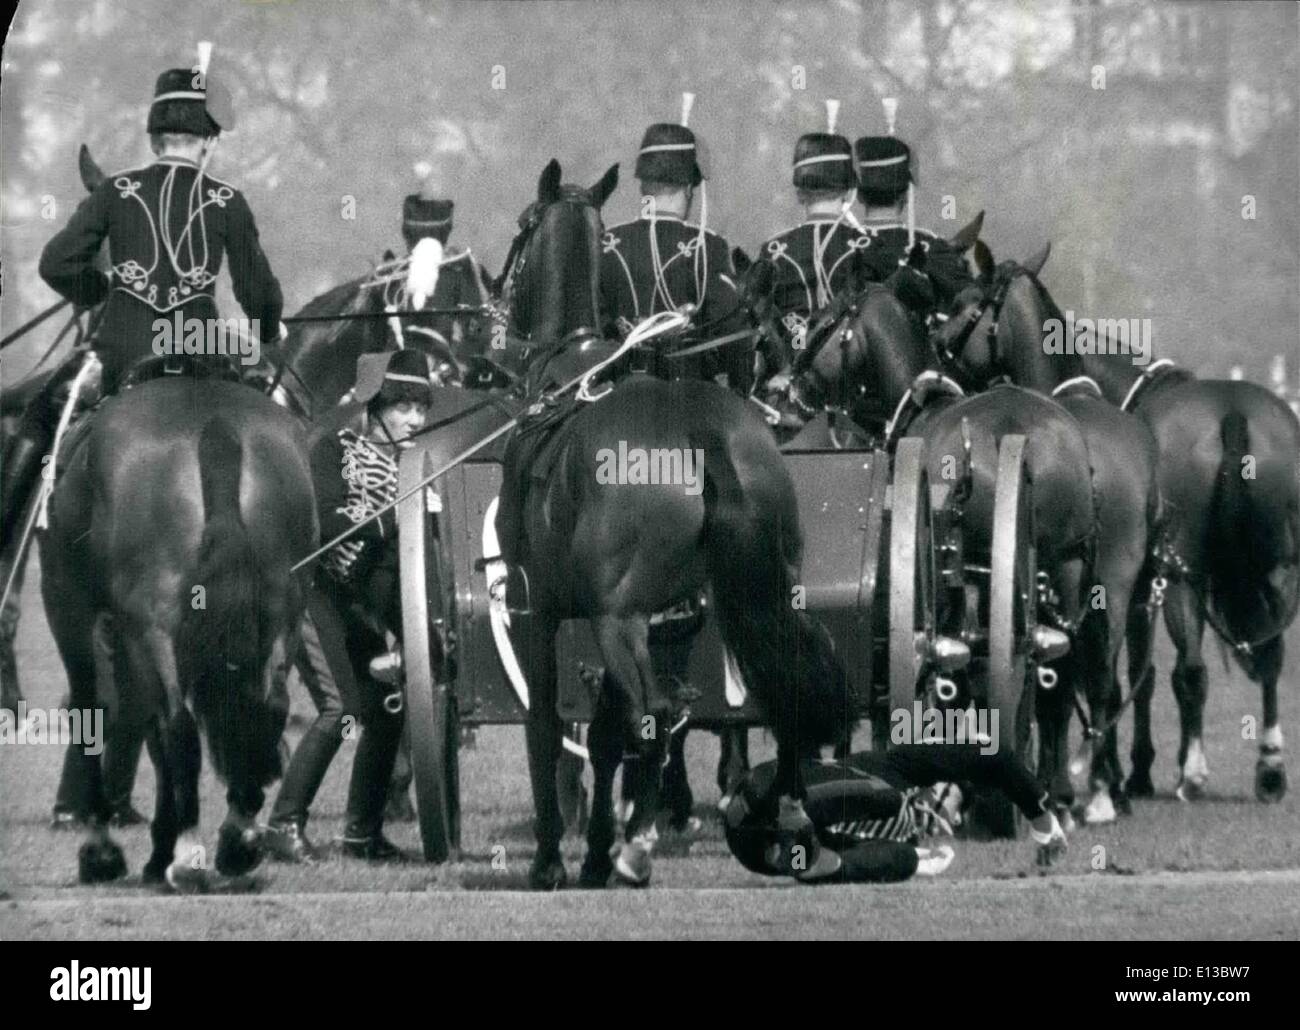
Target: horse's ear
(548, 186)
(979, 259)
(604, 189)
(965, 239)
(388, 256)
(740, 260)
(1035, 264)
(91, 175)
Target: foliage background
(1139, 185)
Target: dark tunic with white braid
(168, 229)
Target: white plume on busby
(422, 274)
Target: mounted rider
(461, 282)
(168, 225)
(824, 256)
(661, 262)
(886, 171)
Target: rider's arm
(68, 260)
(255, 286)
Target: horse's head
(995, 325)
(551, 284)
(862, 357)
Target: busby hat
(426, 216)
(884, 164)
(190, 100)
(670, 153)
(824, 160)
(391, 377)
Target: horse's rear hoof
(1139, 785)
(547, 874)
(238, 851)
(595, 872)
(154, 873)
(1100, 810)
(1270, 780)
(100, 861)
(184, 878)
(632, 865)
(1190, 789)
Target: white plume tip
(423, 169)
(688, 101)
(422, 273)
(832, 115)
(205, 57)
(891, 112)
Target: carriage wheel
(911, 575)
(1012, 596)
(430, 702)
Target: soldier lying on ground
(872, 809)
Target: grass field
(1222, 867)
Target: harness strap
(1141, 381)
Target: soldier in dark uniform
(662, 262)
(823, 257)
(886, 174)
(873, 809)
(168, 226)
(461, 283)
(354, 601)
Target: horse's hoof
(1100, 809)
(154, 873)
(595, 872)
(184, 878)
(1065, 816)
(1270, 779)
(238, 851)
(547, 874)
(1139, 785)
(632, 865)
(1190, 788)
(100, 861)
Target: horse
(1229, 476)
(996, 328)
(165, 577)
(615, 553)
(875, 364)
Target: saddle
(197, 366)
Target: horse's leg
(624, 646)
(605, 745)
(1056, 706)
(163, 830)
(678, 797)
(1186, 628)
(1270, 769)
(1101, 636)
(542, 732)
(151, 664)
(733, 762)
(1141, 628)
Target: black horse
(996, 329)
(618, 552)
(167, 586)
(1229, 473)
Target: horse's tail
(1242, 552)
(752, 544)
(219, 643)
